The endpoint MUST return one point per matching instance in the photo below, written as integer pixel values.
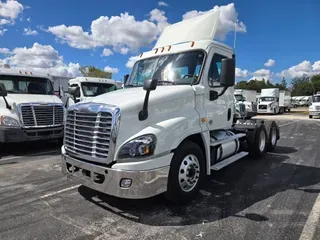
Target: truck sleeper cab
(29, 108)
(172, 125)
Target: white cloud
(260, 74)
(131, 61)
(29, 32)
(158, 16)
(269, 63)
(164, 4)
(9, 12)
(111, 70)
(316, 66)
(42, 58)
(3, 31)
(4, 21)
(4, 51)
(305, 67)
(28, 19)
(106, 52)
(241, 73)
(227, 19)
(122, 31)
(124, 50)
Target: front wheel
(187, 171)
(310, 116)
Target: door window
(215, 69)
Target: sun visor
(198, 28)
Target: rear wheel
(258, 143)
(187, 171)
(273, 137)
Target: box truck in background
(285, 101)
(269, 101)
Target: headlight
(9, 121)
(116, 125)
(139, 147)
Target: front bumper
(12, 135)
(314, 113)
(146, 183)
(268, 111)
(250, 113)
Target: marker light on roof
(162, 49)
(192, 44)
(141, 54)
(169, 48)
(156, 51)
(20, 72)
(31, 73)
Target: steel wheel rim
(189, 173)
(262, 141)
(273, 136)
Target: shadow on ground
(227, 193)
(26, 148)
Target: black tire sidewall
(254, 151)
(271, 147)
(174, 192)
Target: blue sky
(283, 31)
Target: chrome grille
(317, 108)
(88, 133)
(262, 106)
(254, 107)
(36, 115)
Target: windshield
(91, 89)
(267, 99)
(26, 85)
(177, 69)
(316, 99)
(239, 98)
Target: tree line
(300, 86)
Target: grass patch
(299, 112)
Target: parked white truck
(84, 88)
(314, 109)
(29, 109)
(269, 101)
(248, 98)
(171, 125)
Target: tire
(289, 109)
(310, 116)
(256, 148)
(274, 111)
(186, 154)
(272, 139)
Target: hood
(132, 98)
(30, 98)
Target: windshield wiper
(132, 85)
(172, 83)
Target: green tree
(241, 85)
(283, 84)
(315, 81)
(90, 71)
(301, 86)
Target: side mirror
(3, 91)
(228, 72)
(125, 79)
(150, 85)
(61, 92)
(74, 92)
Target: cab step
(227, 139)
(228, 161)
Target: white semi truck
(84, 88)
(314, 108)
(269, 101)
(171, 125)
(29, 109)
(248, 98)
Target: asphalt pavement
(272, 198)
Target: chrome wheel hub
(189, 173)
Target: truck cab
(314, 108)
(85, 88)
(170, 126)
(248, 98)
(29, 108)
(269, 101)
